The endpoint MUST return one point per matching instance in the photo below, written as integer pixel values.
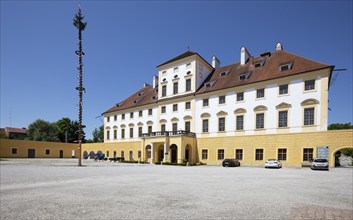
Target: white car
(273, 163)
(319, 164)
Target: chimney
(215, 62)
(155, 81)
(279, 46)
(244, 55)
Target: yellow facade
(294, 143)
(22, 147)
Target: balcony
(168, 133)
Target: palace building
(270, 106)
(197, 111)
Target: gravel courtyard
(56, 189)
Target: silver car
(273, 163)
(319, 164)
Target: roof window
(188, 73)
(176, 76)
(119, 104)
(244, 76)
(286, 66)
(224, 73)
(137, 100)
(164, 79)
(165, 71)
(266, 54)
(259, 64)
(210, 84)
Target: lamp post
(80, 25)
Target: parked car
(99, 156)
(230, 163)
(319, 164)
(273, 163)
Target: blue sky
(125, 41)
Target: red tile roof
(270, 70)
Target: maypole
(80, 25)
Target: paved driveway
(56, 189)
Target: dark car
(230, 163)
(99, 156)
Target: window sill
(283, 127)
(260, 129)
(205, 132)
(221, 132)
(222, 104)
(239, 131)
(308, 91)
(281, 95)
(262, 98)
(242, 101)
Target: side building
(195, 111)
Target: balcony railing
(168, 133)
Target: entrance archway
(148, 152)
(343, 156)
(187, 153)
(85, 155)
(174, 153)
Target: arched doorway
(343, 157)
(187, 153)
(174, 153)
(85, 155)
(160, 153)
(91, 155)
(148, 152)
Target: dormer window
(164, 72)
(286, 66)
(224, 73)
(176, 76)
(164, 80)
(210, 84)
(176, 69)
(259, 64)
(188, 73)
(188, 65)
(137, 100)
(119, 104)
(154, 97)
(244, 76)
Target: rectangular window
(220, 154)
(187, 126)
(308, 154)
(222, 99)
(163, 128)
(108, 135)
(175, 126)
(140, 113)
(131, 115)
(259, 154)
(205, 102)
(221, 124)
(239, 154)
(149, 129)
(204, 154)
(175, 107)
(282, 154)
(139, 154)
(115, 134)
(175, 88)
(310, 85)
(163, 109)
(140, 131)
(122, 154)
(107, 153)
(122, 133)
(164, 91)
(240, 123)
(150, 111)
(187, 105)
(240, 96)
(14, 150)
(188, 85)
(115, 117)
(309, 116)
(283, 89)
(260, 93)
(260, 120)
(47, 151)
(131, 132)
(123, 116)
(108, 119)
(205, 125)
(282, 119)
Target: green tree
(347, 152)
(98, 134)
(338, 126)
(69, 129)
(41, 130)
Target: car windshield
(320, 160)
